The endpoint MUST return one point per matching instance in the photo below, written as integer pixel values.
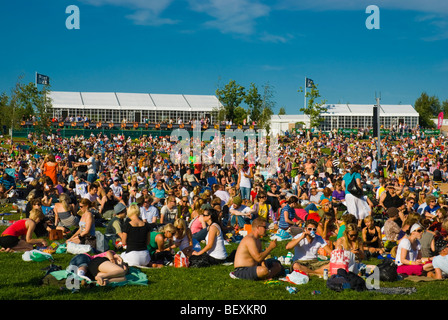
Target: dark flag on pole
(309, 83)
(41, 79)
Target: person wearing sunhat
(114, 228)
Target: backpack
(388, 270)
(356, 282)
(337, 283)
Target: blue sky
(194, 46)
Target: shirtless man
(250, 260)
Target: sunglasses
(206, 215)
(311, 229)
(352, 235)
(418, 230)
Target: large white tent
(352, 116)
(134, 107)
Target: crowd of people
(328, 192)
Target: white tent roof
(133, 101)
(367, 109)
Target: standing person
(50, 168)
(356, 205)
(91, 165)
(214, 251)
(19, 235)
(250, 260)
(244, 183)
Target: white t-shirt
(90, 166)
(441, 262)
(308, 251)
(412, 254)
(245, 182)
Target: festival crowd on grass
(329, 192)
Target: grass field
(19, 280)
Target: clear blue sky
(192, 46)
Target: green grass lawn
(19, 280)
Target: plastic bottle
(315, 292)
(291, 290)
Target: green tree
(231, 97)
(282, 111)
(27, 101)
(313, 108)
(427, 108)
(445, 107)
(254, 102)
(268, 107)
(240, 114)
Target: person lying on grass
(250, 260)
(110, 268)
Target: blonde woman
(372, 237)
(136, 236)
(161, 244)
(64, 213)
(350, 241)
(19, 236)
(183, 238)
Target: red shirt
(17, 229)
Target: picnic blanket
(134, 277)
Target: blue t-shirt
(159, 193)
(348, 178)
(291, 214)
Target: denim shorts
(80, 260)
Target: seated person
(440, 262)
(239, 213)
(372, 238)
(306, 246)
(250, 260)
(114, 229)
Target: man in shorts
(250, 260)
(306, 246)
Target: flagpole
(304, 105)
